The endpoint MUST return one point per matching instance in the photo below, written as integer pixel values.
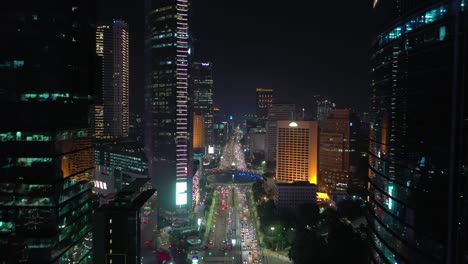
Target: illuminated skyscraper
(417, 148)
(297, 147)
(198, 131)
(334, 150)
(112, 45)
(168, 117)
(47, 63)
(202, 89)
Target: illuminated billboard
(181, 193)
(210, 149)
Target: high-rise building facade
(47, 62)
(323, 108)
(202, 89)
(417, 148)
(112, 46)
(289, 196)
(334, 151)
(297, 151)
(276, 112)
(168, 117)
(264, 100)
(198, 131)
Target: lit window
(442, 33)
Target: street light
(272, 229)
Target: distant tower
(112, 45)
(323, 108)
(264, 100)
(334, 151)
(276, 112)
(202, 89)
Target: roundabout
(233, 177)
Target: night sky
(298, 50)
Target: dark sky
(299, 50)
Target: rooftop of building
(127, 147)
(296, 183)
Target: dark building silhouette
(202, 89)
(417, 153)
(119, 233)
(47, 76)
(264, 99)
(334, 151)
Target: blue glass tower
(417, 136)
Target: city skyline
(339, 72)
(183, 131)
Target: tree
(307, 214)
(258, 190)
(346, 245)
(350, 209)
(308, 247)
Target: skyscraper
(297, 147)
(167, 113)
(275, 113)
(323, 108)
(264, 100)
(334, 151)
(202, 89)
(47, 66)
(112, 45)
(198, 131)
(417, 152)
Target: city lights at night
(260, 132)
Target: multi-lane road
(233, 236)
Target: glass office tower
(47, 56)
(202, 89)
(112, 46)
(168, 117)
(417, 137)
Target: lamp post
(272, 229)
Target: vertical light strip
(125, 81)
(182, 52)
